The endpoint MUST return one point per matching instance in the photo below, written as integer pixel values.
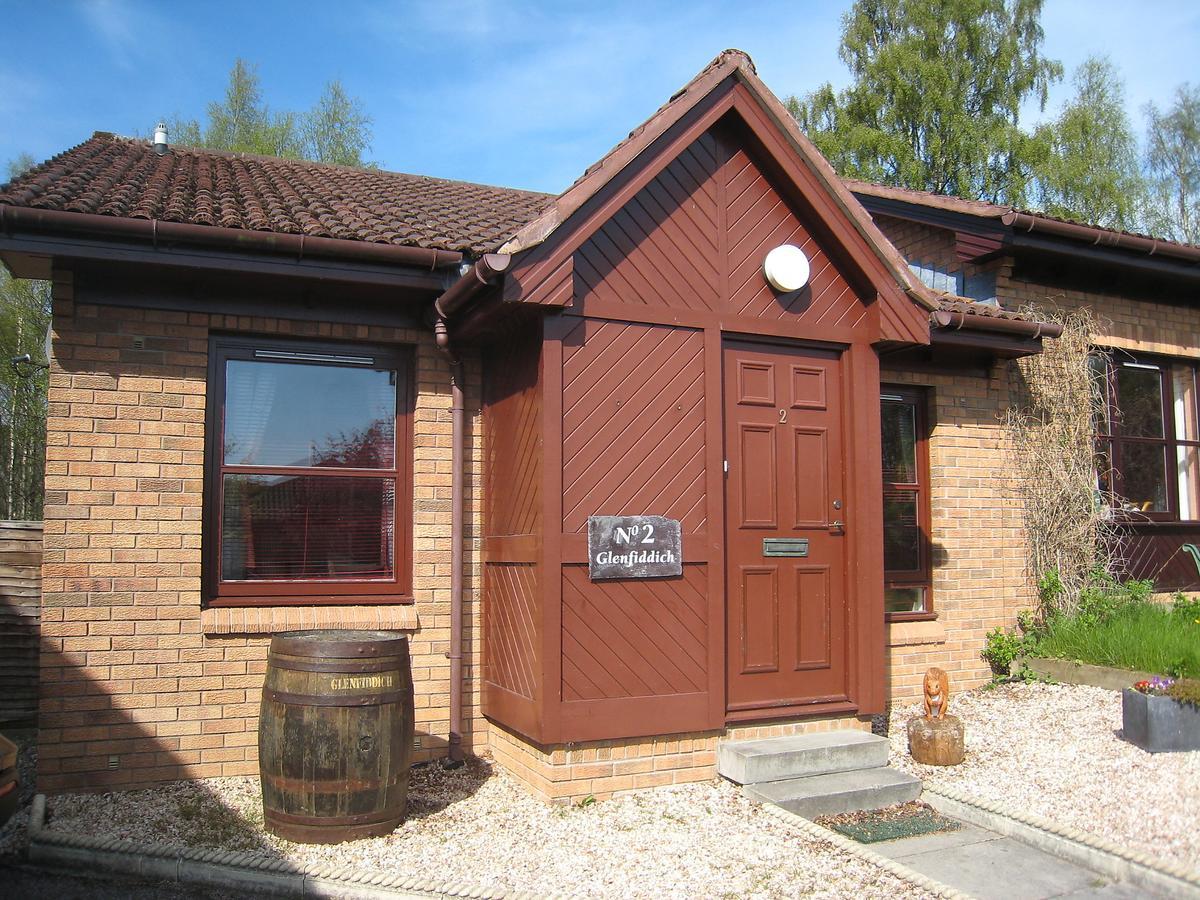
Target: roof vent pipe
(160, 138)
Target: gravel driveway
(476, 824)
(1056, 751)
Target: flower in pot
(1162, 714)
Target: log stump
(936, 742)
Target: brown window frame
(918, 398)
(307, 592)
(1116, 441)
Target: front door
(785, 537)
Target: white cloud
(133, 32)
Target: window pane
(308, 526)
(899, 442)
(905, 599)
(1144, 476)
(1139, 398)
(901, 532)
(1183, 396)
(1187, 464)
(287, 414)
(1104, 481)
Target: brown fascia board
(1101, 237)
(159, 234)
(736, 64)
(1002, 230)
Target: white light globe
(786, 268)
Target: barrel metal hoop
(335, 666)
(272, 815)
(325, 786)
(347, 700)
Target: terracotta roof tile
(954, 304)
(121, 177)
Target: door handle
(839, 526)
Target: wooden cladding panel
(512, 430)
(633, 423)
(759, 219)
(512, 599)
(661, 248)
(634, 638)
(1156, 552)
(20, 618)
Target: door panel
(786, 618)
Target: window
(1148, 441)
(308, 474)
(906, 549)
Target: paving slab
(1113, 891)
(991, 867)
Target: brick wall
(978, 556)
(130, 669)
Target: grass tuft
(1141, 636)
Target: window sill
(909, 634)
(274, 619)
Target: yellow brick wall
(978, 561)
(127, 668)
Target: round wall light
(786, 268)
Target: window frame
(919, 399)
(307, 592)
(1114, 359)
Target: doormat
(872, 826)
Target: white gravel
(1056, 751)
(700, 840)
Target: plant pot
(1159, 724)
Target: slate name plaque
(634, 547)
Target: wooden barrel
(335, 735)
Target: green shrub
(1001, 649)
(1186, 690)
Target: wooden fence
(20, 617)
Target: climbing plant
(1069, 530)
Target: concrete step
(797, 756)
(839, 792)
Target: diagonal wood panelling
(633, 423)
(760, 219)
(510, 658)
(512, 436)
(661, 249)
(634, 638)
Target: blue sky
(523, 94)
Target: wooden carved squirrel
(937, 693)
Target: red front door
(785, 541)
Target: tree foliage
(1088, 167)
(937, 93)
(24, 317)
(1173, 166)
(335, 130)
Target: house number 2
(782, 416)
